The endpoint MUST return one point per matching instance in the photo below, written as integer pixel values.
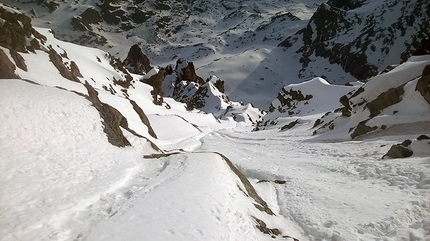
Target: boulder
(398, 151)
(136, 61)
(423, 137)
(362, 129)
(290, 125)
(384, 100)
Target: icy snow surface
(62, 180)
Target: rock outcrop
(136, 61)
(399, 151)
(7, 68)
(72, 74)
(423, 84)
(346, 4)
(186, 71)
(16, 31)
(84, 21)
(112, 119)
(156, 82)
(373, 37)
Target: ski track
(335, 191)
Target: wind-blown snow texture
(205, 174)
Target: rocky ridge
(379, 105)
(362, 41)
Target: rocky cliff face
(363, 37)
(18, 36)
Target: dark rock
(90, 16)
(112, 119)
(137, 62)
(250, 190)
(388, 69)
(426, 71)
(289, 98)
(117, 64)
(143, 118)
(423, 137)
(280, 181)
(262, 226)
(290, 125)
(15, 30)
(398, 151)
(51, 5)
(317, 123)
(346, 112)
(406, 143)
(423, 84)
(362, 129)
(111, 13)
(329, 22)
(187, 72)
(424, 47)
(138, 16)
(346, 109)
(219, 84)
(322, 36)
(385, 99)
(12, 16)
(19, 60)
(156, 81)
(77, 24)
(198, 101)
(57, 60)
(7, 68)
(346, 4)
(74, 69)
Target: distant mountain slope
(399, 97)
(397, 101)
(363, 37)
(155, 23)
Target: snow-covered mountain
(387, 101)
(343, 41)
(154, 134)
(363, 37)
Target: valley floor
(334, 191)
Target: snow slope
(63, 174)
(334, 191)
(186, 175)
